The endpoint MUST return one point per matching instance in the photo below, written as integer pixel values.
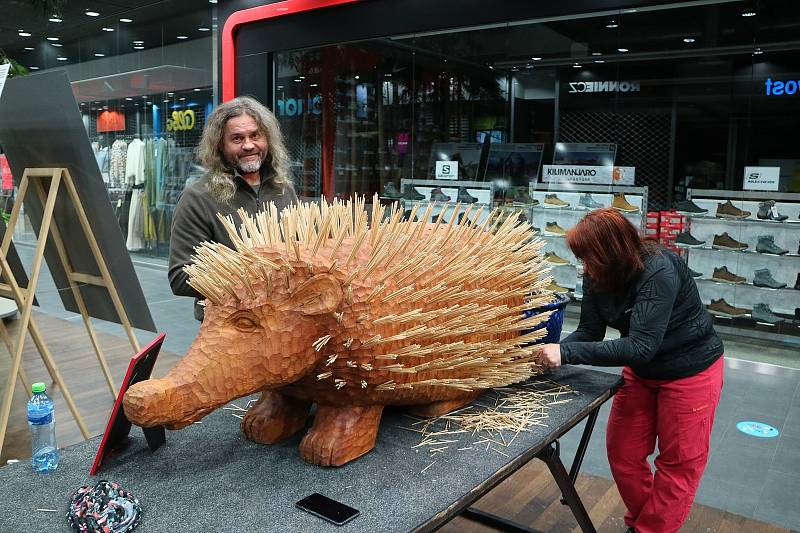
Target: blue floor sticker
(757, 429)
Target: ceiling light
(126, 20)
(536, 58)
(197, 90)
(33, 68)
(311, 85)
(688, 39)
(54, 19)
(356, 76)
(52, 38)
(149, 103)
(623, 50)
(138, 47)
(297, 80)
(597, 53)
(166, 101)
(24, 34)
(212, 1)
(749, 13)
(758, 52)
(29, 48)
(92, 14)
(128, 98)
(491, 67)
(612, 24)
(138, 42)
(98, 54)
(105, 28)
(576, 65)
(61, 58)
(599, 61)
(182, 98)
(170, 94)
(59, 45)
(144, 97)
(182, 37)
(203, 28)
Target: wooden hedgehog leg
(433, 409)
(274, 417)
(341, 434)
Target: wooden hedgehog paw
(443, 407)
(341, 434)
(274, 417)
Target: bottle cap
(38, 387)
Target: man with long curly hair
(246, 166)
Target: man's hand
(550, 356)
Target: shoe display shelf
(482, 190)
(781, 304)
(552, 222)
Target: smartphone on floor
(328, 509)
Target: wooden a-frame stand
(36, 178)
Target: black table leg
(550, 455)
(497, 522)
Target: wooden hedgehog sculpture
(315, 306)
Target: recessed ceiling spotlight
(92, 14)
(138, 47)
(126, 20)
(138, 42)
(612, 24)
(54, 18)
(29, 48)
(98, 54)
(748, 13)
(182, 37)
(536, 58)
(599, 61)
(182, 98)
(311, 85)
(128, 98)
(52, 38)
(24, 34)
(197, 90)
(758, 52)
(61, 58)
(623, 50)
(106, 28)
(491, 67)
(203, 28)
(212, 1)
(688, 39)
(170, 94)
(597, 53)
(166, 101)
(149, 103)
(297, 80)
(33, 68)
(357, 76)
(59, 45)
(576, 65)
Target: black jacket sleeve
(650, 314)
(190, 227)
(592, 327)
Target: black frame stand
(550, 454)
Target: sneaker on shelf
(465, 197)
(726, 242)
(687, 240)
(553, 201)
(763, 278)
(621, 203)
(762, 313)
(438, 196)
(695, 274)
(688, 207)
(520, 195)
(797, 283)
(587, 202)
(766, 245)
(728, 210)
(390, 191)
(555, 287)
(411, 193)
(555, 259)
(769, 211)
(552, 228)
(724, 275)
(722, 308)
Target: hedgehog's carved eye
(244, 322)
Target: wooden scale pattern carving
(316, 306)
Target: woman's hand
(550, 356)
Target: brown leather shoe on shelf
(621, 203)
(724, 275)
(726, 242)
(555, 287)
(552, 228)
(555, 259)
(728, 210)
(722, 308)
(553, 201)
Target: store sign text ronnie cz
(604, 86)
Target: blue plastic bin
(556, 320)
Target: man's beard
(248, 167)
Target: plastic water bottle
(41, 419)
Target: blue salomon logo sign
(778, 88)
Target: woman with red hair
(672, 360)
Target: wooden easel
(36, 179)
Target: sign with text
(582, 87)
(595, 175)
(446, 170)
(761, 178)
(3, 75)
